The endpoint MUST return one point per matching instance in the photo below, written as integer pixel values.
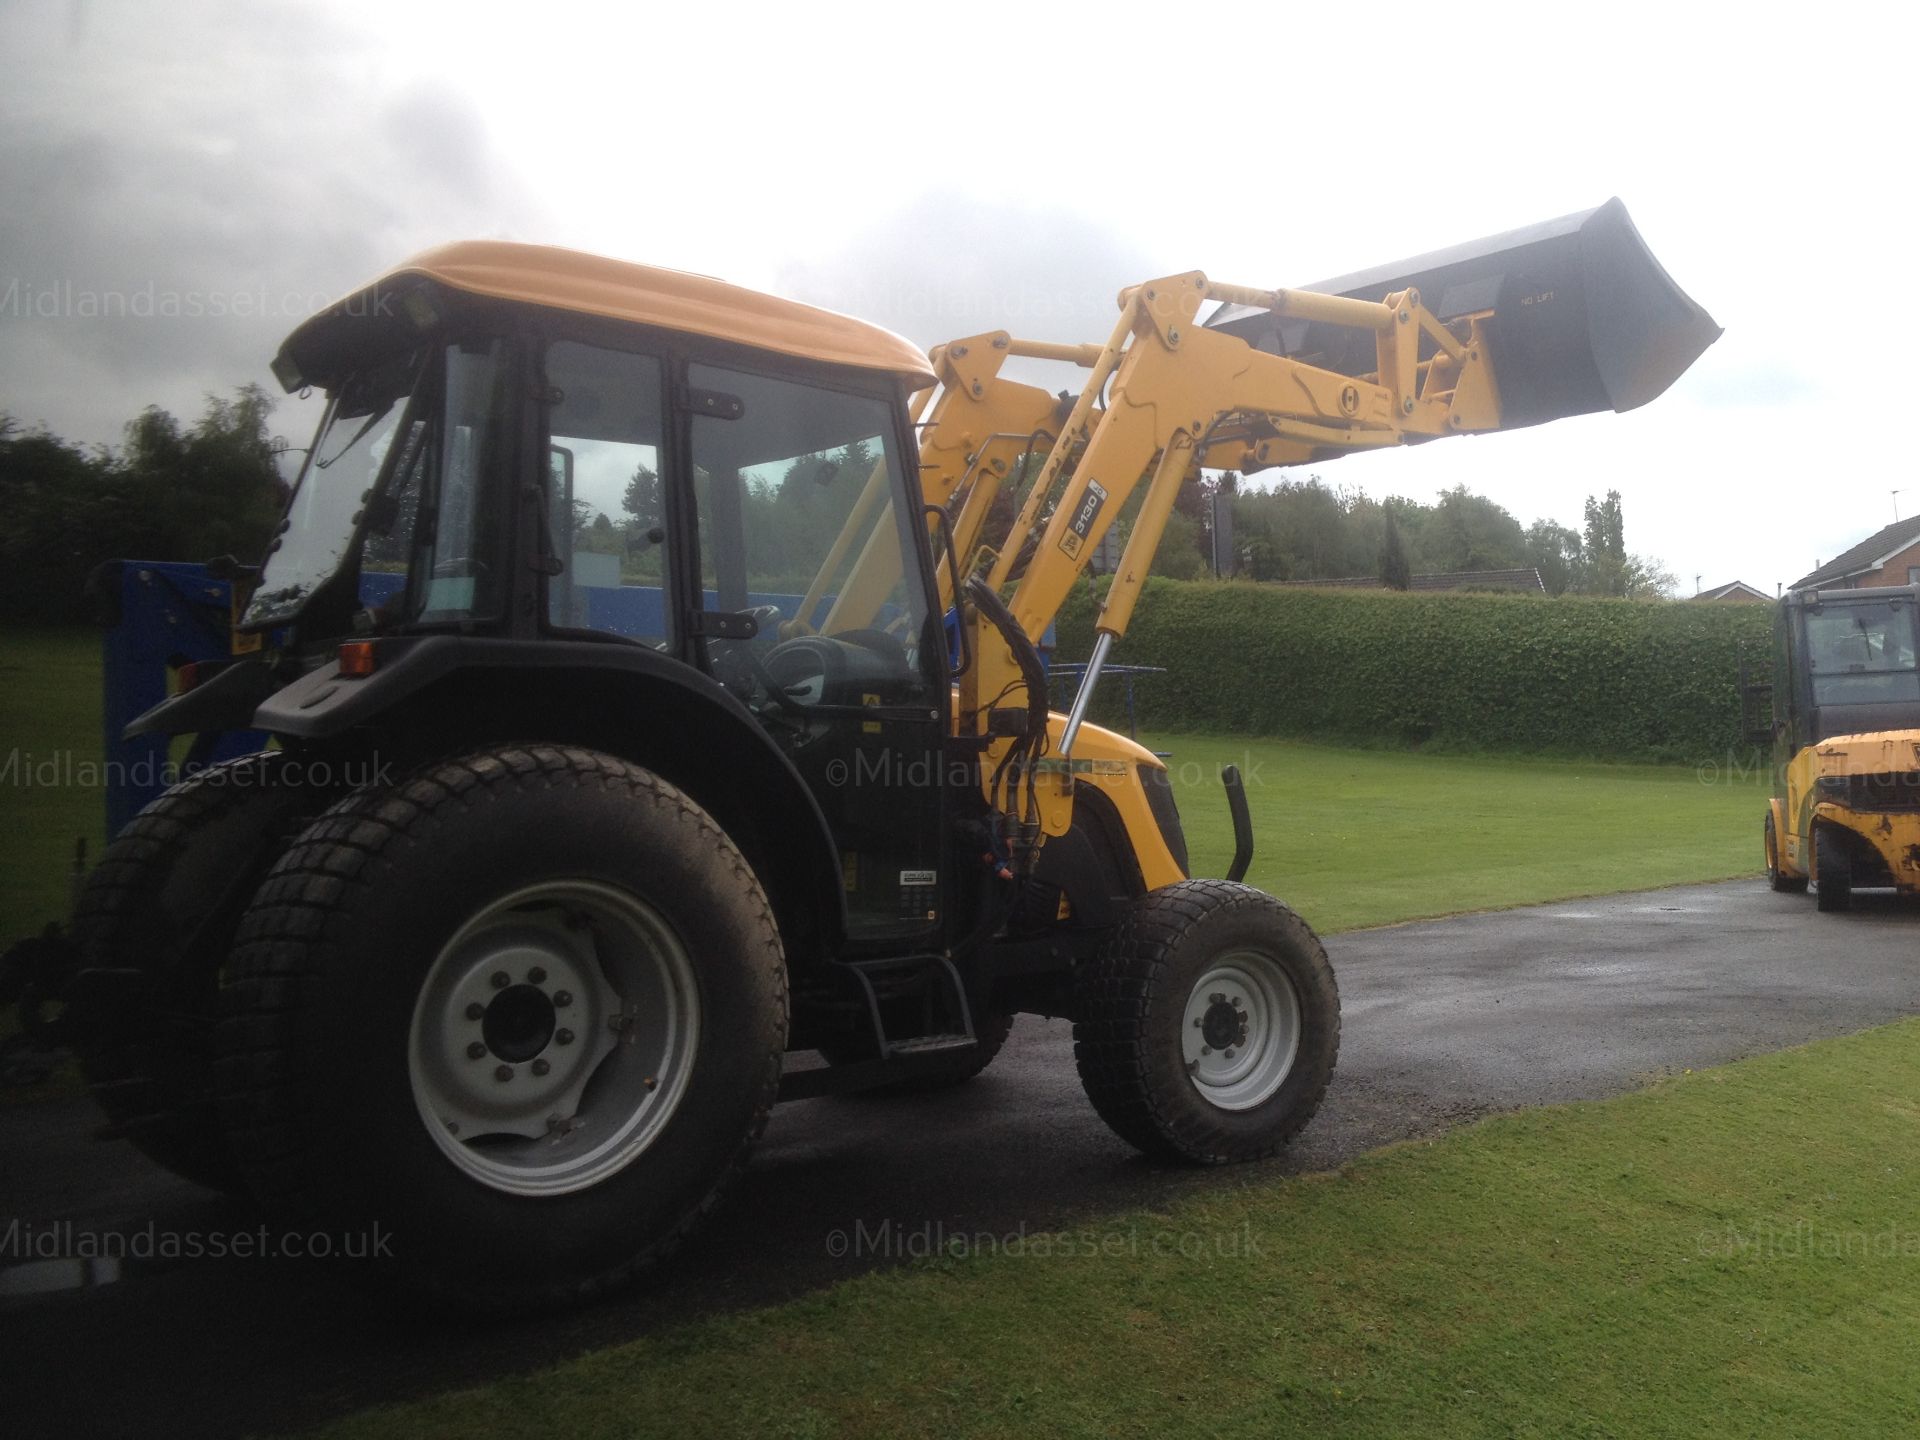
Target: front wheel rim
(553, 1037)
(1240, 1033)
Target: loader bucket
(1583, 317)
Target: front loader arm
(1176, 396)
(1577, 309)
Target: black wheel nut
(536, 976)
(476, 1050)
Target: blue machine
(163, 616)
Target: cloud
(181, 194)
(944, 264)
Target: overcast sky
(946, 169)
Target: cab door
(814, 610)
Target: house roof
(1527, 579)
(1733, 590)
(1870, 554)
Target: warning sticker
(1083, 519)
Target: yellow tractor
(652, 715)
(1846, 743)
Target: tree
(171, 493)
(1471, 532)
(1556, 552)
(1604, 547)
(642, 497)
(1395, 572)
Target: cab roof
(615, 289)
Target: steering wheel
(745, 666)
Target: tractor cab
(698, 501)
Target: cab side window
(606, 521)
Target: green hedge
(1563, 675)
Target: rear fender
(432, 695)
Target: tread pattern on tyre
(1115, 993)
(1777, 878)
(1832, 860)
(128, 1078)
(284, 943)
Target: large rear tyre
(1832, 869)
(1208, 1026)
(1778, 879)
(159, 913)
(523, 1013)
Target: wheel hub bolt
(503, 1072)
(1198, 1022)
(1206, 1050)
(476, 1011)
(563, 997)
(501, 980)
(1228, 1052)
(1216, 998)
(536, 976)
(540, 1067)
(1237, 1003)
(476, 1051)
(563, 1037)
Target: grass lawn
(1370, 837)
(1733, 1252)
(49, 727)
(1348, 837)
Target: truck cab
(1846, 743)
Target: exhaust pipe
(1582, 317)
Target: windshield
(355, 437)
(1862, 654)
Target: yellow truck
(1845, 811)
(652, 714)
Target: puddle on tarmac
(47, 1277)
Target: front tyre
(1777, 879)
(523, 1012)
(1208, 1025)
(1832, 869)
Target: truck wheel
(1208, 1026)
(159, 913)
(523, 1013)
(1832, 869)
(1784, 883)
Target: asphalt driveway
(1444, 1021)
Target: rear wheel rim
(553, 1037)
(1240, 1033)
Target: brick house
(1887, 557)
